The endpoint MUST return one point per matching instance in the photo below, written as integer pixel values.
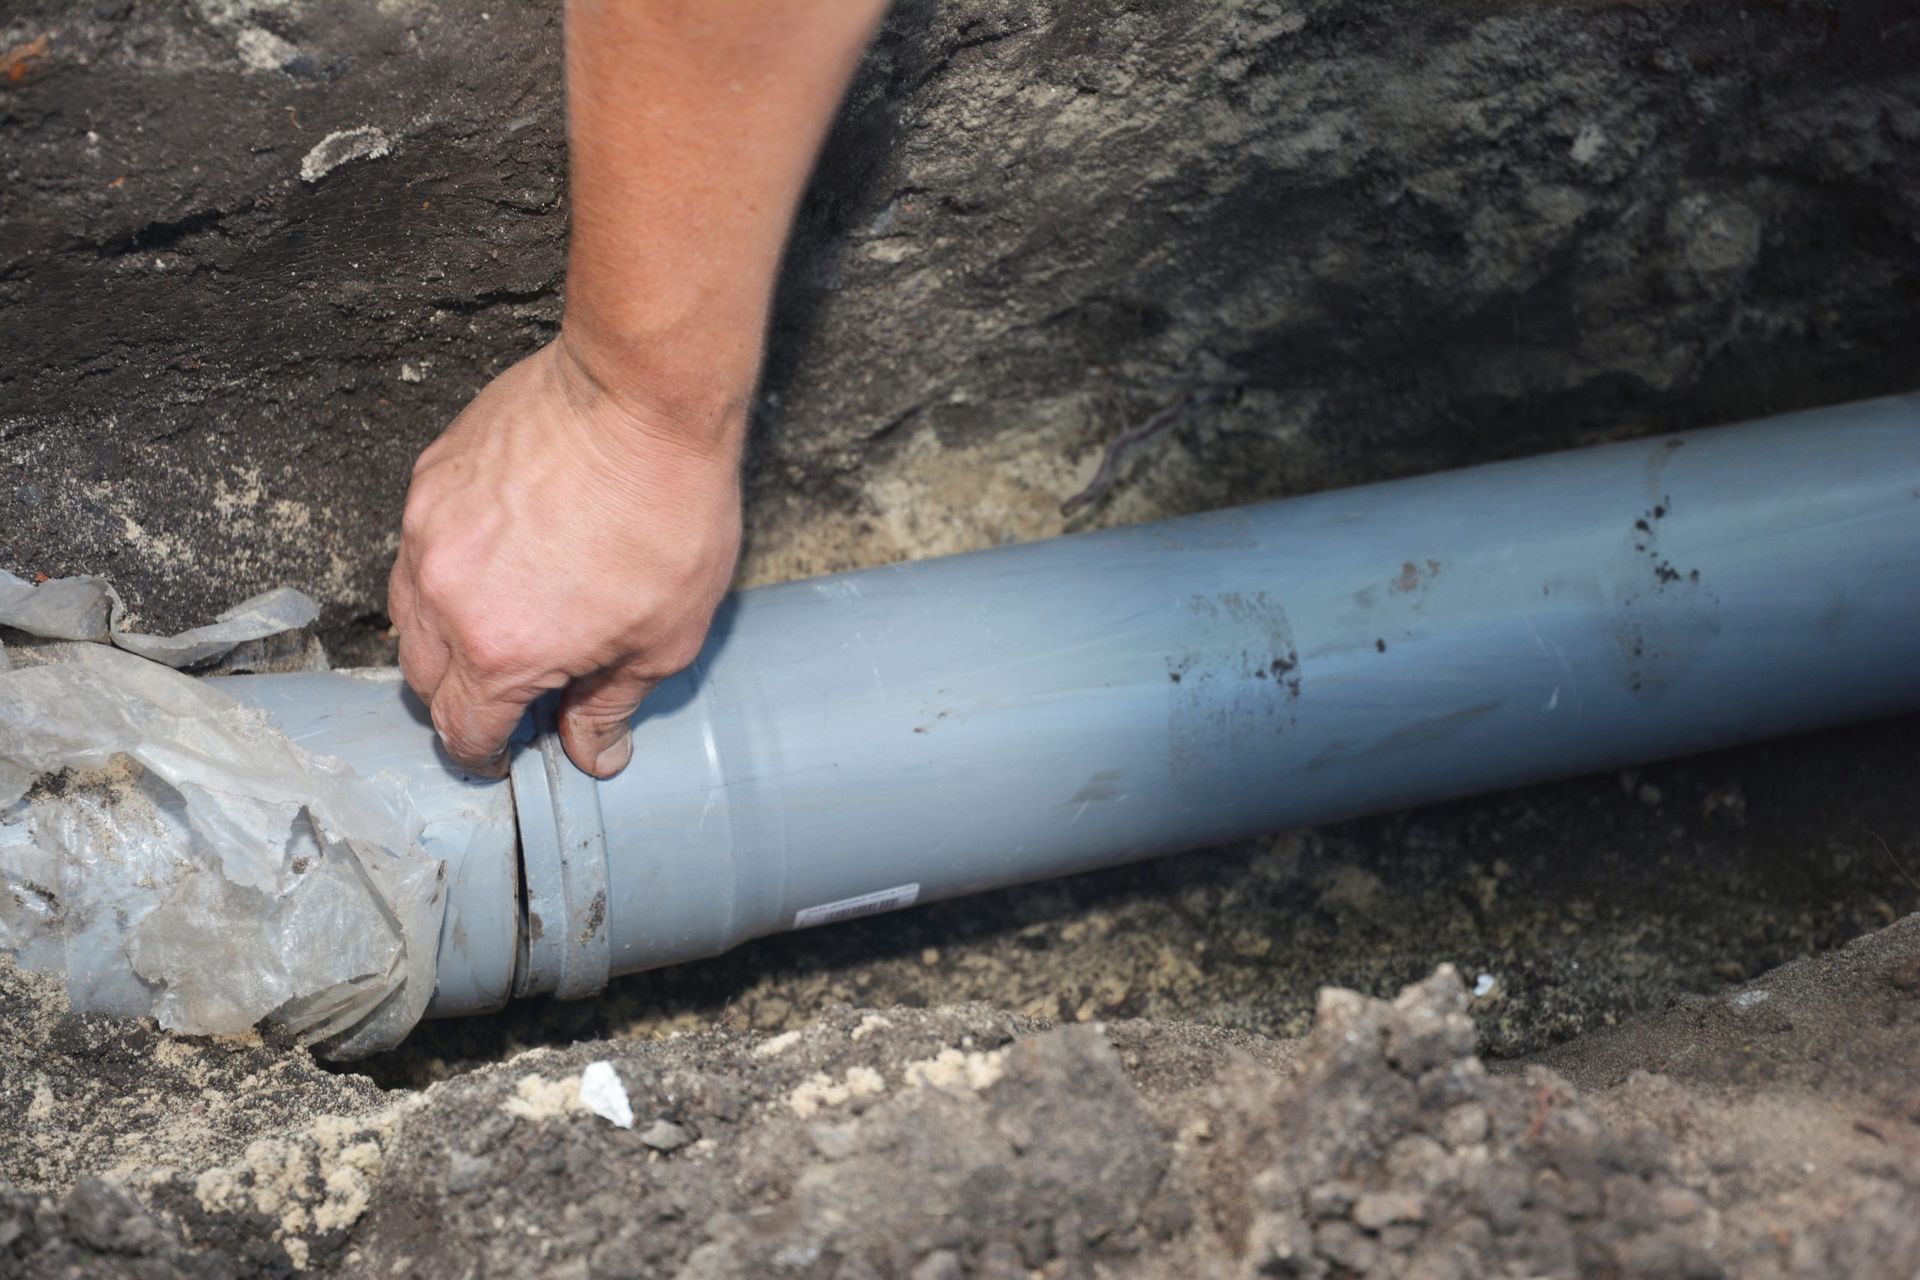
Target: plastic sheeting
(90, 609)
(175, 855)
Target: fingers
(474, 726)
(596, 716)
(424, 659)
(423, 655)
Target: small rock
(1272, 1190)
(941, 1264)
(261, 50)
(1035, 1242)
(1380, 1209)
(1676, 1204)
(834, 1141)
(1416, 1162)
(1337, 1010)
(107, 1220)
(665, 1135)
(1401, 1237)
(1428, 1026)
(1332, 1199)
(1464, 1126)
(1906, 974)
(1550, 1192)
(1462, 1080)
(1727, 802)
(999, 1259)
(368, 142)
(1587, 143)
(1626, 1198)
(1340, 1243)
(1713, 238)
(467, 1173)
(1280, 1244)
(1166, 1216)
(1502, 1193)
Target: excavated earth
(1665, 1022)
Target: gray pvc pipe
(865, 741)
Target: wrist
(625, 390)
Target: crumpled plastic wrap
(90, 609)
(175, 855)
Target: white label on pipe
(867, 904)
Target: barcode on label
(867, 904)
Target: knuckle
(490, 650)
(424, 461)
(416, 666)
(675, 655)
(438, 577)
(413, 524)
(399, 602)
(413, 512)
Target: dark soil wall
(1382, 237)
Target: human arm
(578, 523)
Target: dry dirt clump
(1395, 1153)
(106, 1096)
(1769, 1132)
(968, 1142)
(243, 1144)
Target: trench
(1386, 240)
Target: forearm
(692, 126)
(578, 524)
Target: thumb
(596, 714)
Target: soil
(1353, 241)
(1773, 1130)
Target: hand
(559, 536)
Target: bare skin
(578, 523)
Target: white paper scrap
(602, 1093)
